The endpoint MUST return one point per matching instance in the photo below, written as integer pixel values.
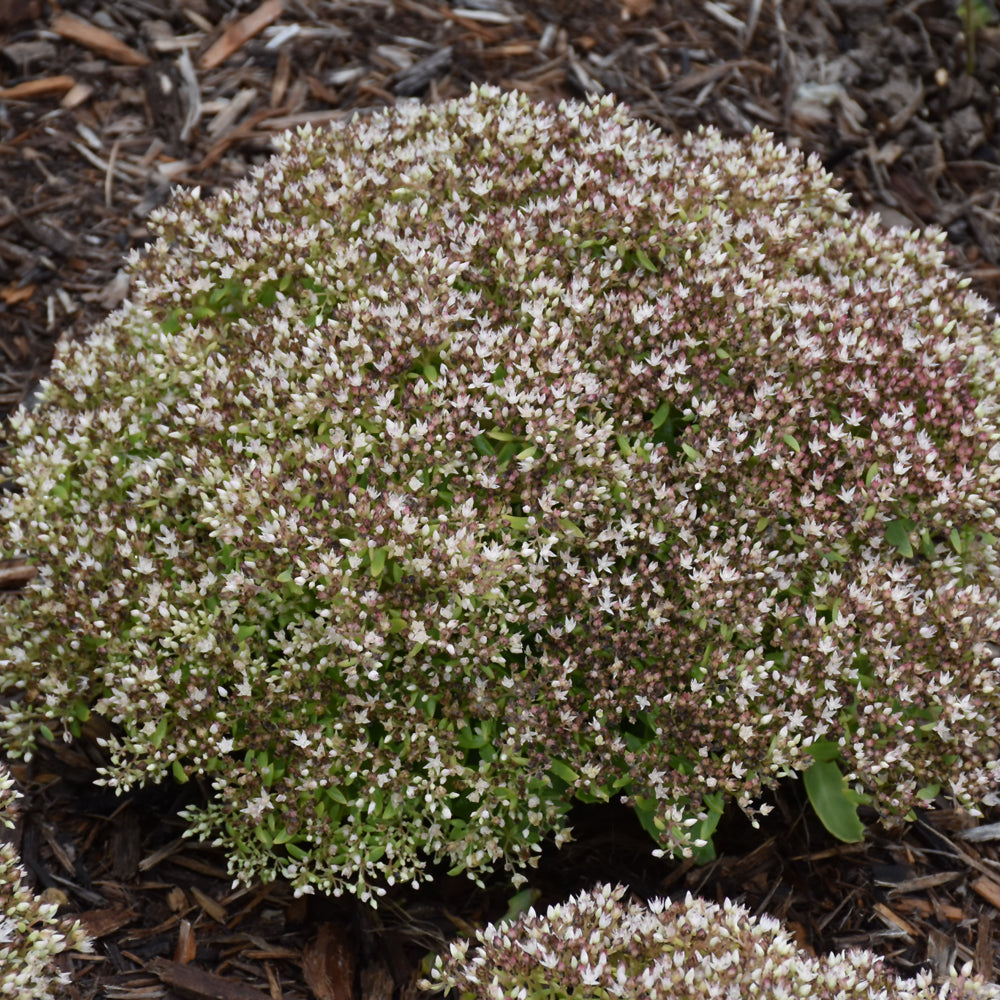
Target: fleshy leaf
(833, 801)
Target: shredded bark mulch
(105, 106)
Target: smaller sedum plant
(31, 935)
(599, 947)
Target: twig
(109, 174)
(238, 34)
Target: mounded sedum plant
(597, 946)
(31, 935)
(466, 460)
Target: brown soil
(104, 106)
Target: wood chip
(226, 119)
(193, 864)
(274, 984)
(484, 16)
(282, 76)
(178, 43)
(187, 943)
(321, 92)
(13, 294)
(272, 953)
(510, 49)
(423, 10)
(636, 8)
(940, 951)
(723, 16)
(76, 95)
(921, 907)
(209, 905)
(191, 982)
(411, 81)
(13, 574)
(177, 899)
(238, 34)
(987, 831)
(990, 891)
(709, 74)
(750, 25)
(584, 81)
(168, 850)
(328, 963)
(922, 882)
(97, 40)
(191, 93)
(893, 919)
(46, 86)
(984, 946)
(100, 923)
(245, 128)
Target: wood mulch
(104, 106)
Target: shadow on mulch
(171, 923)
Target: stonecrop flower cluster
(469, 459)
(31, 934)
(598, 946)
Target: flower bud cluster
(468, 459)
(31, 935)
(601, 946)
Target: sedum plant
(598, 946)
(471, 459)
(31, 935)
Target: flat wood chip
(238, 34)
(192, 982)
(43, 87)
(76, 29)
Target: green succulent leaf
(824, 750)
(377, 563)
(519, 903)
(714, 803)
(833, 801)
(564, 771)
(644, 260)
(897, 535)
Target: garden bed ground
(104, 106)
